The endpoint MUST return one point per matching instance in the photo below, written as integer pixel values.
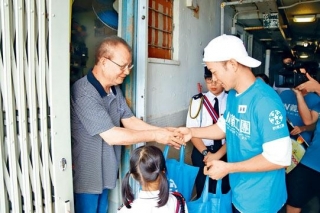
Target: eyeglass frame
(122, 67)
(211, 81)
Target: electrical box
(270, 20)
(191, 4)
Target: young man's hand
(186, 132)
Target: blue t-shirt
(311, 157)
(289, 100)
(253, 118)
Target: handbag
(211, 203)
(181, 176)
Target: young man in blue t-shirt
(254, 125)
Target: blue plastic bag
(211, 203)
(181, 176)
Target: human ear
(234, 64)
(103, 60)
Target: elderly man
(98, 109)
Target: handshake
(173, 136)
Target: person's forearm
(317, 90)
(304, 111)
(222, 151)
(198, 143)
(209, 132)
(123, 136)
(136, 124)
(215, 156)
(255, 164)
(310, 127)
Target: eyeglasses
(122, 67)
(210, 81)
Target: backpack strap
(181, 202)
(210, 109)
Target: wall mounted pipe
(267, 62)
(295, 4)
(222, 19)
(223, 4)
(261, 27)
(235, 17)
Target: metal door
(35, 144)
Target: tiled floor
(312, 207)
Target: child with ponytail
(148, 167)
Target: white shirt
(204, 118)
(147, 203)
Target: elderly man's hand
(186, 133)
(170, 137)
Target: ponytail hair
(164, 189)
(126, 191)
(147, 166)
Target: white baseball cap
(226, 47)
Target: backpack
(181, 202)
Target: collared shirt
(147, 203)
(204, 118)
(93, 111)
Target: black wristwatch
(204, 152)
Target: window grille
(160, 29)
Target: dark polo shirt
(93, 111)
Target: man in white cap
(254, 125)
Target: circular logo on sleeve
(275, 117)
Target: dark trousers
(197, 160)
(234, 210)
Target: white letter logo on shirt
(242, 108)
